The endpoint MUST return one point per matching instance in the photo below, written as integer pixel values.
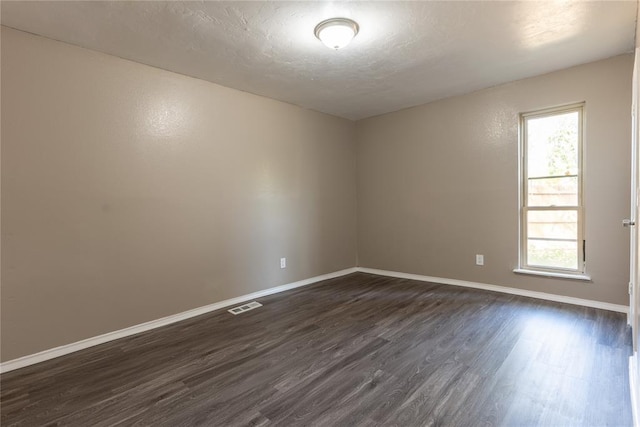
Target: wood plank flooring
(360, 350)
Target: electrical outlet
(479, 259)
(283, 263)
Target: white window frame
(525, 267)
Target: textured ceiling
(407, 53)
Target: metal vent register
(244, 307)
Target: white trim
(582, 277)
(525, 208)
(633, 384)
(52, 353)
(514, 291)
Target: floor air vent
(245, 307)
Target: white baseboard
(635, 391)
(136, 329)
(132, 330)
(503, 289)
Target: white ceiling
(406, 54)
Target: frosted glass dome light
(336, 33)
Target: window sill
(582, 277)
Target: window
(552, 217)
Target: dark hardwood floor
(353, 351)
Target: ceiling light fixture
(336, 33)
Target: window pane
(552, 225)
(555, 254)
(551, 215)
(553, 191)
(552, 145)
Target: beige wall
(131, 193)
(438, 183)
